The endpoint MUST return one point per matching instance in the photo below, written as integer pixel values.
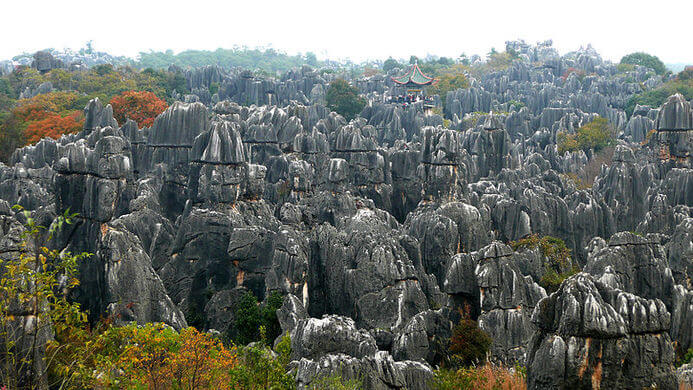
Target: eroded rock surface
(383, 231)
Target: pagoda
(414, 79)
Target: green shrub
(251, 317)
(43, 275)
(344, 99)
(479, 378)
(551, 280)
(468, 345)
(594, 135)
(654, 98)
(335, 382)
(552, 249)
(687, 358)
(390, 64)
(462, 379)
(518, 104)
(258, 368)
(471, 120)
(558, 265)
(644, 59)
(623, 68)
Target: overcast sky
(356, 29)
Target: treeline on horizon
(268, 60)
(265, 59)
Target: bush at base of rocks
(262, 368)
(468, 345)
(335, 382)
(552, 280)
(251, 318)
(483, 377)
(687, 358)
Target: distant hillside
(269, 60)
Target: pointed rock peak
(628, 238)
(675, 114)
(220, 145)
(96, 116)
(494, 250)
(623, 153)
(493, 122)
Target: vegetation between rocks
(64, 351)
(558, 265)
(595, 135)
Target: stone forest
(520, 220)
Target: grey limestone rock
(377, 372)
(589, 334)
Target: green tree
(594, 135)
(250, 317)
(390, 64)
(5, 89)
(35, 285)
(445, 61)
(103, 69)
(449, 79)
(683, 84)
(468, 345)
(267, 60)
(269, 314)
(247, 319)
(344, 99)
(556, 259)
(311, 59)
(644, 59)
(686, 74)
(259, 369)
(499, 61)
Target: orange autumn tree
(53, 125)
(140, 106)
(49, 115)
(151, 356)
(160, 358)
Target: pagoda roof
(414, 77)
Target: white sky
(356, 29)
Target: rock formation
(383, 231)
